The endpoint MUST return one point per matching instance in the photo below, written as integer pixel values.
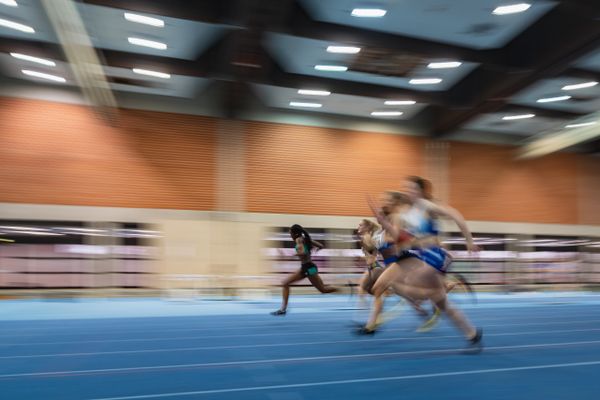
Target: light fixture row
(378, 113)
(500, 10)
(50, 63)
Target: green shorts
(309, 269)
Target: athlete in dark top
(308, 269)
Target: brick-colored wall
(52, 153)
(589, 191)
(310, 170)
(488, 184)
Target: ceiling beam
(488, 137)
(34, 48)
(582, 73)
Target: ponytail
(298, 231)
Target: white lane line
(220, 328)
(284, 360)
(174, 338)
(354, 381)
(252, 346)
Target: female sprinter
(308, 269)
(420, 274)
(375, 240)
(366, 231)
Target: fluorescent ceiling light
(44, 76)
(444, 64)
(141, 19)
(10, 3)
(386, 113)
(580, 85)
(151, 73)
(335, 68)
(582, 124)
(553, 99)
(424, 81)
(309, 105)
(343, 49)
(511, 9)
(147, 43)
(400, 102)
(16, 26)
(308, 92)
(368, 12)
(42, 61)
(521, 116)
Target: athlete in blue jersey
(420, 273)
(374, 241)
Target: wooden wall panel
(488, 184)
(54, 153)
(310, 170)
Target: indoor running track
(535, 348)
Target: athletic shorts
(436, 257)
(309, 269)
(397, 258)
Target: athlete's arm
(318, 245)
(368, 244)
(456, 216)
(383, 220)
(394, 228)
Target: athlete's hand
(375, 209)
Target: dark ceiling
(559, 44)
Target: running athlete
(375, 240)
(367, 229)
(420, 274)
(308, 269)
